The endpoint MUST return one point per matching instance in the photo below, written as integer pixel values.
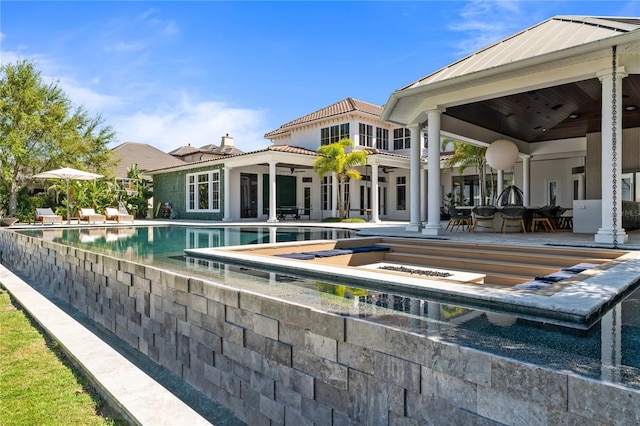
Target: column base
(227, 219)
(270, 220)
(433, 230)
(606, 236)
(413, 227)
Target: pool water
(610, 350)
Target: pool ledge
(579, 305)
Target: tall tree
(41, 130)
(335, 159)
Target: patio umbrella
(67, 174)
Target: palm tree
(335, 159)
(467, 155)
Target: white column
(227, 194)
(581, 191)
(414, 181)
(526, 175)
(500, 185)
(273, 216)
(609, 129)
(424, 194)
(433, 226)
(334, 195)
(375, 185)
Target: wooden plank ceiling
(560, 112)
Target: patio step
(536, 256)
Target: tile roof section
(277, 148)
(145, 156)
(206, 149)
(554, 34)
(343, 107)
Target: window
(203, 191)
(382, 138)
(325, 192)
(553, 193)
(401, 193)
(366, 135)
(334, 133)
(401, 138)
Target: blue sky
(172, 73)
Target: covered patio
(568, 87)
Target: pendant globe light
(502, 154)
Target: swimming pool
(608, 351)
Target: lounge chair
(46, 215)
(112, 213)
(90, 215)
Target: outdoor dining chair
(459, 218)
(484, 214)
(513, 214)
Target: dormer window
(382, 138)
(402, 138)
(366, 135)
(333, 134)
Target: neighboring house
(287, 166)
(567, 92)
(145, 156)
(208, 152)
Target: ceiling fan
(293, 170)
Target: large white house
(279, 182)
(566, 92)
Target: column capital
(620, 72)
(435, 108)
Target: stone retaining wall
(274, 362)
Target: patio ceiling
(546, 114)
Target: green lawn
(38, 385)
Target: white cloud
(485, 23)
(178, 121)
(196, 123)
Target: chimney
(227, 140)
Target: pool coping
(577, 306)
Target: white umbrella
(67, 174)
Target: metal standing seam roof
(343, 107)
(554, 34)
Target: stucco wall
(273, 362)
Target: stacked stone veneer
(274, 362)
